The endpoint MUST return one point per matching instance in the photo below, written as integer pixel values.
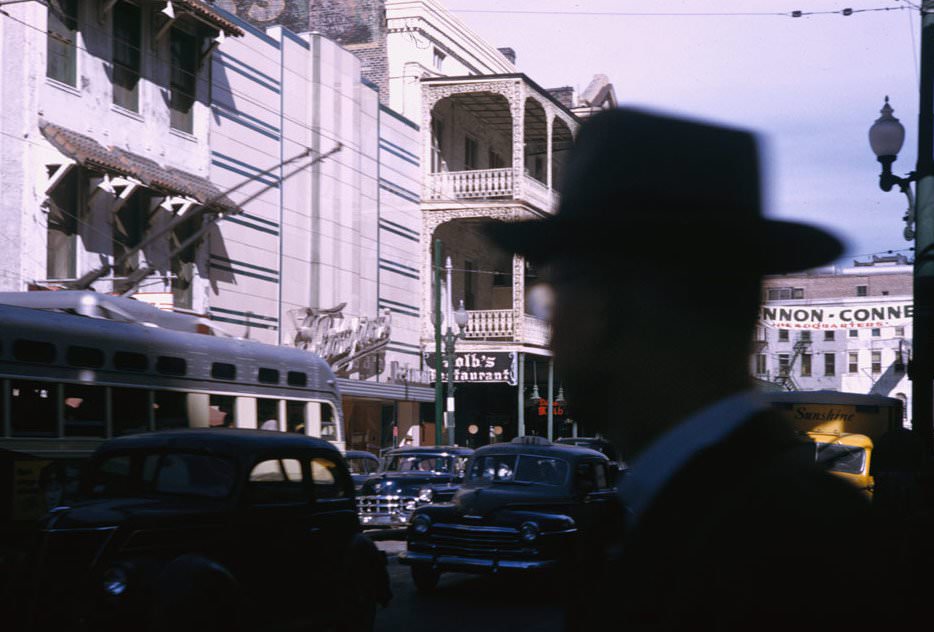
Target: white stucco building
(104, 138)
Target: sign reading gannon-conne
(836, 316)
(478, 367)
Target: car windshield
(435, 463)
(358, 464)
(163, 473)
(522, 469)
(836, 457)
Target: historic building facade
(104, 140)
(843, 329)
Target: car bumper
(442, 562)
(384, 521)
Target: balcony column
(550, 118)
(518, 297)
(517, 109)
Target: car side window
(326, 478)
(600, 475)
(276, 481)
(585, 481)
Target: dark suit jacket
(750, 535)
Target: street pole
(439, 387)
(551, 398)
(922, 366)
(450, 340)
(520, 426)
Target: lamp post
(450, 341)
(886, 137)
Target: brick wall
(844, 285)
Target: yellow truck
(843, 427)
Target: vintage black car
(225, 528)
(410, 477)
(529, 505)
(362, 465)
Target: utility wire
(785, 14)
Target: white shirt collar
(658, 463)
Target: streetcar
(78, 368)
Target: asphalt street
(469, 602)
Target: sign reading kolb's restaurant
(836, 316)
(482, 367)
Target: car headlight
(528, 532)
(421, 524)
(115, 581)
(425, 494)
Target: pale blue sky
(811, 86)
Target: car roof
(562, 450)
(431, 449)
(360, 454)
(227, 440)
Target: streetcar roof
(224, 440)
(830, 397)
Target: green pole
(439, 387)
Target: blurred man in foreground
(656, 257)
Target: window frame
(126, 64)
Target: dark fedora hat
(640, 183)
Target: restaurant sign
(478, 367)
(836, 316)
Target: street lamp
(886, 137)
(450, 340)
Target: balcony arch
(561, 140)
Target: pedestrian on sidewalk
(656, 257)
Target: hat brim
(766, 246)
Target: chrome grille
(475, 540)
(385, 505)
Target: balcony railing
(487, 184)
(499, 324)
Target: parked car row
(164, 519)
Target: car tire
(425, 578)
(194, 593)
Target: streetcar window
(129, 361)
(295, 416)
(33, 410)
(85, 357)
(297, 378)
(170, 365)
(34, 351)
(170, 410)
(130, 410)
(222, 413)
(85, 411)
(268, 376)
(328, 423)
(267, 414)
(223, 371)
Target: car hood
(404, 483)
(483, 501)
(119, 511)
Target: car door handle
(314, 530)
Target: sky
(811, 86)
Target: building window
(830, 364)
(784, 293)
(127, 44)
(805, 336)
(805, 365)
(862, 290)
(876, 332)
(885, 292)
(760, 364)
(829, 334)
(495, 160)
(65, 208)
(877, 362)
(129, 227)
(184, 52)
(853, 365)
(899, 332)
(61, 44)
(853, 333)
(784, 363)
(471, 152)
(783, 335)
(438, 60)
